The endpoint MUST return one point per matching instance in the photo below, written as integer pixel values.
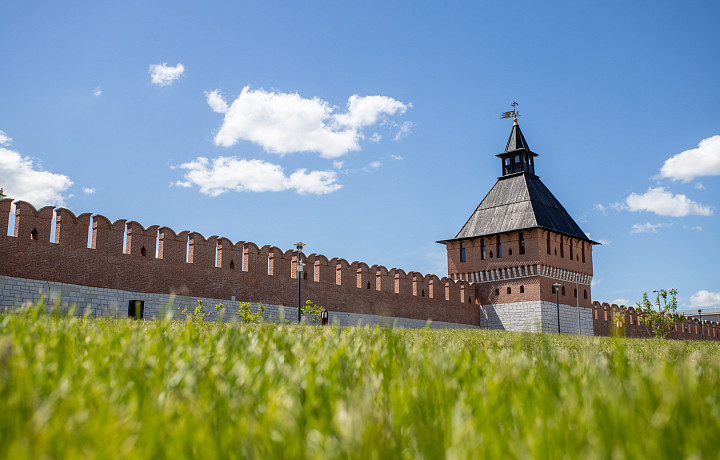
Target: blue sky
(369, 129)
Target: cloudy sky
(369, 129)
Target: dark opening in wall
(522, 244)
(497, 291)
(491, 254)
(509, 290)
(143, 251)
(470, 299)
(585, 294)
(34, 234)
(499, 246)
(548, 244)
(562, 291)
(510, 251)
(304, 275)
(422, 294)
(462, 252)
(562, 247)
(232, 265)
(522, 289)
(574, 292)
(482, 248)
(368, 285)
(136, 309)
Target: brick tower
(518, 243)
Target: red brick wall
(265, 274)
(604, 323)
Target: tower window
(522, 244)
(368, 285)
(482, 248)
(562, 247)
(499, 246)
(507, 162)
(585, 294)
(232, 265)
(583, 252)
(562, 290)
(571, 250)
(575, 292)
(143, 251)
(522, 289)
(497, 292)
(509, 290)
(491, 255)
(548, 243)
(462, 252)
(510, 251)
(34, 234)
(517, 158)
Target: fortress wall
(605, 324)
(185, 264)
(114, 303)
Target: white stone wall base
(94, 301)
(536, 316)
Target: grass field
(103, 388)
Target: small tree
(314, 311)
(659, 318)
(199, 314)
(247, 316)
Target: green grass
(104, 388)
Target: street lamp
(577, 301)
(701, 326)
(300, 267)
(557, 302)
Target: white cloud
(696, 227)
(705, 298)
(163, 74)
(702, 161)
(223, 174)
(4, 138)
(601, 240)
(397, 157)
(285, 123)
(625, 302)
(662, 202)
(646, 228)
(375, 164)
(699, 186)
(22, 180)
(97, 91)
(404, 130)
(216, 102)
(338, 164)
(376, 137)
(88, 190)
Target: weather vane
(512, 113)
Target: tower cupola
(517, 157)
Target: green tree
(314, 311)
(247, 316)
(658, 318)
(199, 314)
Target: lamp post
(300, 266)
(701, 326)
(557, 302)
(577, 301)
